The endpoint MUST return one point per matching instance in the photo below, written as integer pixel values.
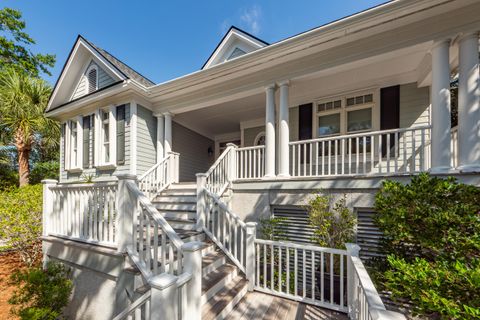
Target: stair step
(163, 206)
(219, 306)
(183, 185)
(217, 280)
(184, 224)
(213, 261)
(178, 193)
(175, 199)
(182, 215)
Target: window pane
(329, 124)
(350, 101)
(359, 120)
(121, 135)
(368, 98)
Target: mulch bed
(9, 262)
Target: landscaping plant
(41, 294)
(431, 229)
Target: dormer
(234, 44)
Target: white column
(160, 137)
(468, 104)
(270, 132)
(126, 205)
(440, 98)
(250, 254)
(164, 299)
(284, 164)
(192, 263)
(167, 146)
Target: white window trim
(93, 66)
(72, 162)
(100, 162)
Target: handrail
(153, 212)
(217, 162)
(137, 304)
(224, 207)
(153, 168)
(160, 176)
(289, 244)
(251, 148)
(358, 135)
(83, 185)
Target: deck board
(261, 306)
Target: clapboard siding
(293, 123)
(193, 149)
(414, 105)
(98, 174)
(249, 135)
(146, 139)
(104, 80)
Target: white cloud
(250, 19)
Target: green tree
(23, 100)
(15, 43)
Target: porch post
(193, 289)
(440, 97)
(164, 300)
(160, 137)
(168, 133)
(468, 104)
(270, 132)
(126, 206)
(284, 140)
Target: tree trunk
(24, 146)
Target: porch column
(160, 137)
(270, 132)
(284, 140)
(468, 104)
(440, 97)
(168, 133)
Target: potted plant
(334, 225)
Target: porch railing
(220, 174)
(250, 162)
(454, 147)
(378, 152)
(83, 212)
(160, 176)
(140, 309)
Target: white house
(260, 127)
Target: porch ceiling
(225, 117)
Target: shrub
(8, 177)
(431, 233)
(21, 221)
(333, 222)
(270, 228)
(44, 170)
(41, 294)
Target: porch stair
(223, 284)
(178, 205)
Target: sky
(167, 39)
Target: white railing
(160, 176)
(156, 247)
(220, 174)
(226, 229)
(364, 303)
(140, 309)
(306, 273)
(454, 147)
(250, 162)
(379, 152)
(82, 212)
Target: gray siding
(414, 105)
(146, 139)
(193, 149)
(293, 121)
(103, 80)
(250, 134)
(98, 174)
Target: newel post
(232, 165)
(164, 299)
(47, 207)
(192, 263)
(250, 254)
(174, 166)
(353, 251)
(201, 205)
(126, 205)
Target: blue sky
(167, 39)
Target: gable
(234, 44)
(103, 80)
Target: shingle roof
(122, 67)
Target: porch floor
(257, 305)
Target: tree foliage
(15, 43)
(21, 221)
(431, 233)
(41, 294)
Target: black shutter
(389, 113)
(121, 135)
(86, 141)
(304, 127)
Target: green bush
(44, 170)
(333, 222)
(431, 230)
(8, 177)
(271, 228)
(41, 294)
(21, 221)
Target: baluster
(313, 275)
(349, 155)
(148, 259)
(322, 276)
(292, 148)
(105, 215)
(331, 278)
(95, 214)
(357, 151)
(342, 149)
(155, 248)
(396, 149)
(365, 153)
(295, 271)
(112, 215)
(329, 157)
(336, 157)
(235, 238)
(171, 259)
(380, 156)
(288, 269)
(388, 153)
(405, 151)
(304, 160)
(372, 154)
(323, 158)
(310, 156)
(279, 269)
(272, 260)
(140, 231)
(164, 252)
(304, 282)
(257, 253)
(242, 247)
(299, 160)
(414, 152)
(422, 150)
(264, 266)
(316, 158)
(341, 279)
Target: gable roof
(81, 49)
(233, 33)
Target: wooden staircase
(223, 284)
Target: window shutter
(86, 141)
(121, 135)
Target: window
(92, 78)
(74, 144)
(121, 135)
(88, 141)
(344, 115)
(106, 137)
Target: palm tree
(23, 100)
